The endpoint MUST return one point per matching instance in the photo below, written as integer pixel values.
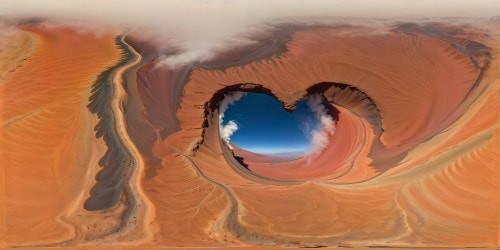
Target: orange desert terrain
(104, 145)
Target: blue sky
(265, 127)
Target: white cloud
(202, 28)
(229, 99)
(320, 137)
(227, 131)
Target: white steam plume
(229, 99)
(228, 130)
(320, 137)
(201, 28)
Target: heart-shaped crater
(274, 141)
(259, 130)
(319, 136)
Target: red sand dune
(413, 161)
(49, 151)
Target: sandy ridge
(136, 223)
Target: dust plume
(228, 130)
(320, 136)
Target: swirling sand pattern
(49, 151)
(102, 145)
